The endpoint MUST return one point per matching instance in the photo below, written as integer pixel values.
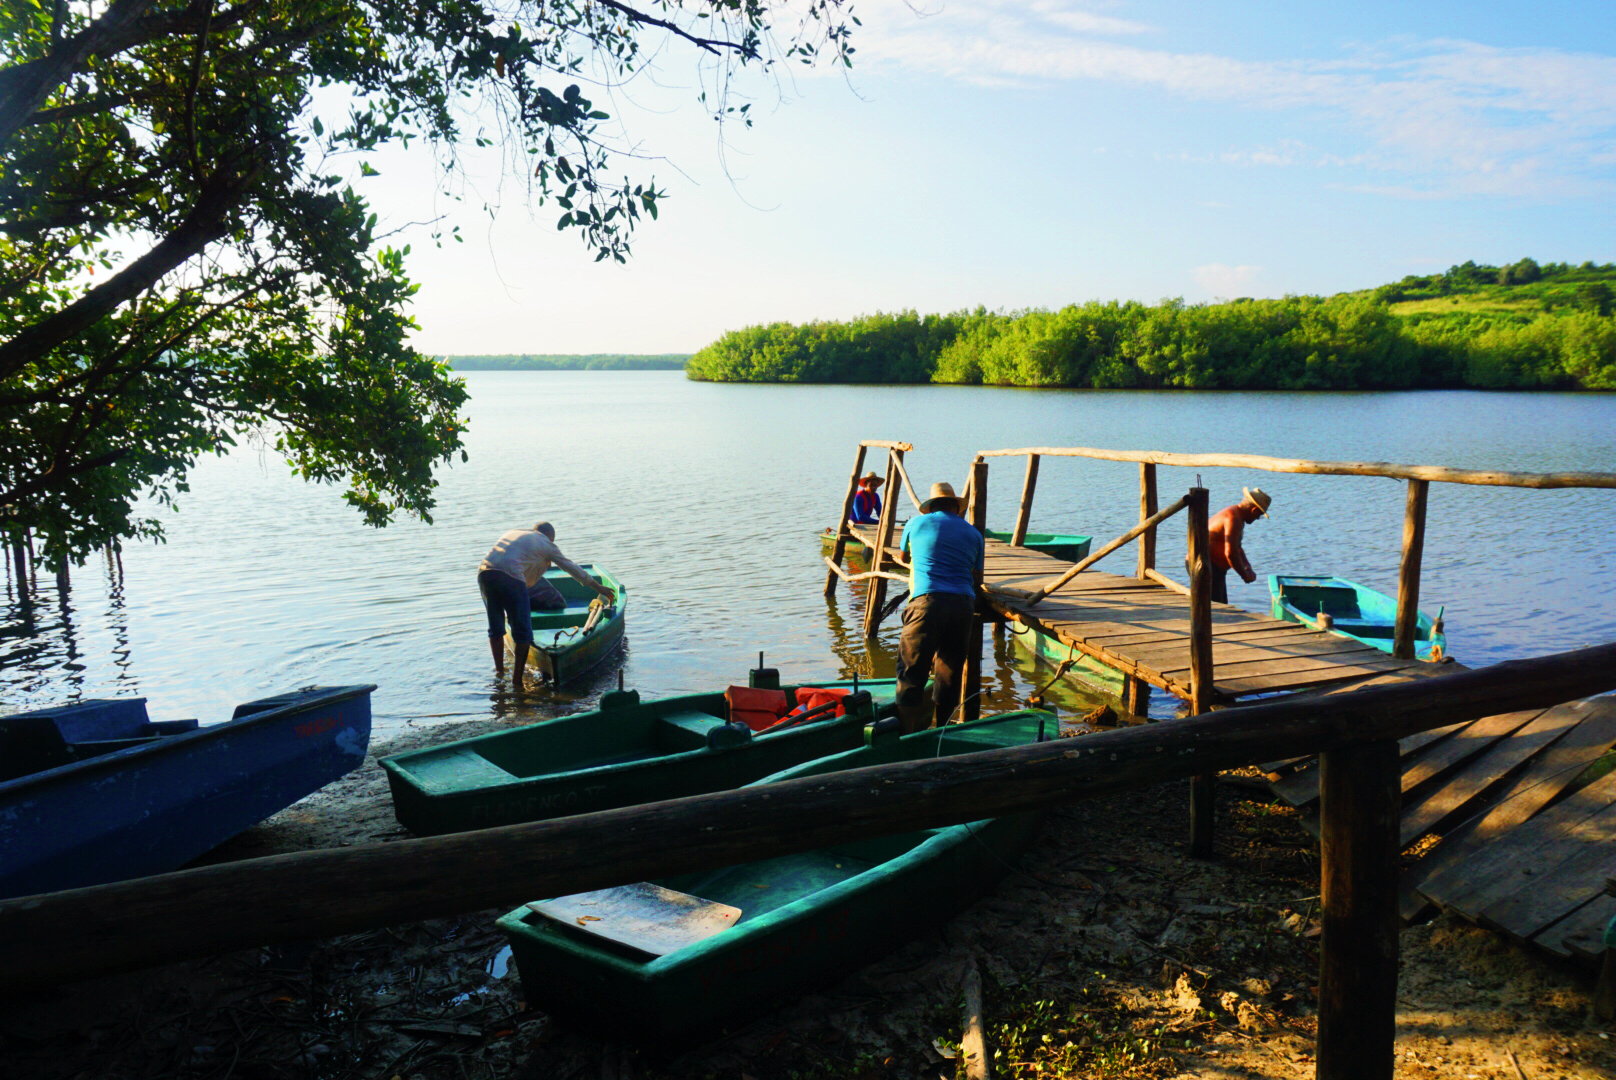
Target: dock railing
(76, 934)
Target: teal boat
(570, 641)
(1352, 611)
(674, 958)
(1062, 546)
(624, 753)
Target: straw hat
(938, 492)
(871, 481)
(1259, 497)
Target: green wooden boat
(676, 958)
(1350, 610)
(1057, 545)
(624, 753)
(568, 642)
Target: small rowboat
(676, 957)
(626, 752)
(570, 641)
(1066, 547)
(96, 792)
(1346, 608)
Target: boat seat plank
(1431, 810)
(646, 917)
(458, 768)
(1445, 871)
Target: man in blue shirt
(945, 555)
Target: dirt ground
(1109, 954)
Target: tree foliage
(184, 261)
(1552, 329)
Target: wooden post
(1360, 800)
(1024, 514)
(973, 1040)
(20, 561)
(842, 531)
(1147, 510)
(971, 692)
(1203, 790)
(1408, 579)
(875, 594)
(1136, 695)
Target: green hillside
(1521, 326)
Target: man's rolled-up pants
(935, 628)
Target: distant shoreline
(568, 362)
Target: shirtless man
(1225, 530)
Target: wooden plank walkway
(1513, 836)
(1142, 629)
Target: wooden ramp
(1512, 819)
(1142, 629)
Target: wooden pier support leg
(19, 560)
(1360, 801)
(1147, 510)
(1136, 695)
(875, 596)
(1408, 578)
(971, 691)
(1203, 788)
(1024, 513)
(843, 533)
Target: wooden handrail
(65, 936)
(1166, 582)
(1127, 537)
(866, 576)
(1435, 473)
(907, 486)
(905, 447)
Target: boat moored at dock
(1350, 610)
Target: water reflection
(708, 500)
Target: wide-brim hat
(1260, 498)
(869, 479)
(940, 492)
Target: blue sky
(1032, 153)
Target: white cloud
(1225, 281)
(1467, 118)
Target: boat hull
(1084, 669)
(1356, 611)
(559, 654)
(808, 920)
(625, 753)
(153, 807)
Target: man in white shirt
(515, 565)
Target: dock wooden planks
(1518, 846)
(1143, 629)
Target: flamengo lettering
(314, 727)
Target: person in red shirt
(1226, 529)
(867, 500)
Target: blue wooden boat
(1352, 611)
(96, 792)
(676, 958)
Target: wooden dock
(1507, 820)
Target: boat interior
(576, 613)
(50, 738)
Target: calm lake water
(706, 500)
